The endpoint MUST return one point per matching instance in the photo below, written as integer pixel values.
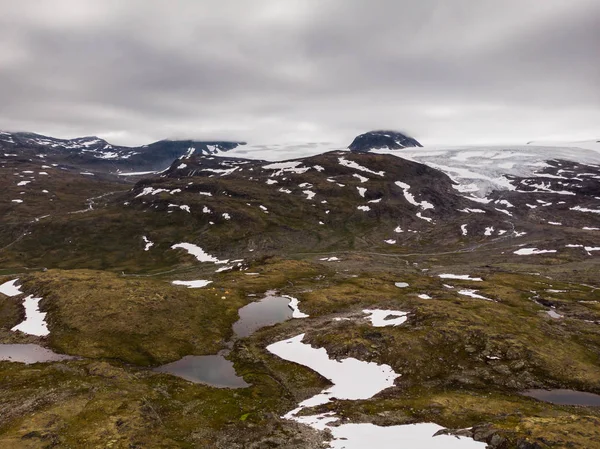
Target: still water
(30, 353)
(565, 397)
(216, 370)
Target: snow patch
(381, 318)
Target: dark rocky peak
(382, 139)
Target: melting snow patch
(330, 259)
(149, 244)
(198, 253)
(398, 230)
(401, 284)
(272, 181)
(23, 183)
(361, 191)
(282, 190)
(390, 242)
(586, 228)
(585, 209)
(375, 201)
(473, 211)
(181, 166)
(351, 378)
(383, 318)
(419, 215)
(226, 216)
(473, 294)
(294, 306)
(464, 277)
(504, 211)
(364, 208)
(463, 229)
(554, 315)
(309, 194)
(488, 230)
(192, 284)
(530, 251)
(35, 321)
(184, 207)
(361, 178)
(17, 201)
(10, 289)
(424, 296)
(411, 199)
(205, 193)
(283, 167)
(421, 435)
(555, 223)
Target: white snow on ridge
(351, 164)
(289, 167)
(410, 197)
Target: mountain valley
(430, 287)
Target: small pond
(565, 397)
(216, 370)
(30, 353)
(268, 311)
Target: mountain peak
(393, 140)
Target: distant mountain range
(94, 153)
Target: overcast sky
(445, 72)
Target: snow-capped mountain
(97, 154)
(391, 140)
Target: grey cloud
(463, 71)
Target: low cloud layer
(466, 71)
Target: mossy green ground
(462, 361)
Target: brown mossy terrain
(463, 361)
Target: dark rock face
(382, 139)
